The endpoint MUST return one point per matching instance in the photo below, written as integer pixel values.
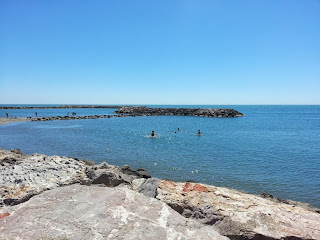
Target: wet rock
(139, 173)
(82, 212)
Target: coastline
(227, 213)
(4, 121)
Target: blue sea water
(274, 149)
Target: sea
(273, 148)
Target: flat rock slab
(239, 215)
(93, 212)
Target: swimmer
(153, 134)
(199, 133)
(178, 129)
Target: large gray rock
(25, 176)
(239, 215)
(109, 175)
(93, 212)
(148, 187)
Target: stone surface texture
(239, 215)
(202, 112)
(25, 176)
(108, 202)
(83, 212)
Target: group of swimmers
(153, 134)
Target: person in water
(153, 134)
(199, 133)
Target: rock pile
(75, 117)
(107, 202)
(24, 176)
(201, 112)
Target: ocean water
(274, 149)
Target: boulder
(109, 175)
(139, 173)
(147, 187)
(24, 176)
(239, 215)
(93, 212)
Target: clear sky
(160, 52)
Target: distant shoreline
(62, 106)
(4, 121)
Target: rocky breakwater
(75, 117)
(52, 197)
(201, 112)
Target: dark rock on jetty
(201, 112)
(76, 117)
(62, 106)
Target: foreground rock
(24, 176)
(96, 211)
(82, 212)
(201, 112)
(239, 215)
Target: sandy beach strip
(4, 121)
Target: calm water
(274, 149)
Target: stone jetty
(200, 112)
(145, 111)
(76, 117)
(53, 197)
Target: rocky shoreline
(53, 197)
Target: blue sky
(160, 52)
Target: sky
(160, 52)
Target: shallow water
(272, 149)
